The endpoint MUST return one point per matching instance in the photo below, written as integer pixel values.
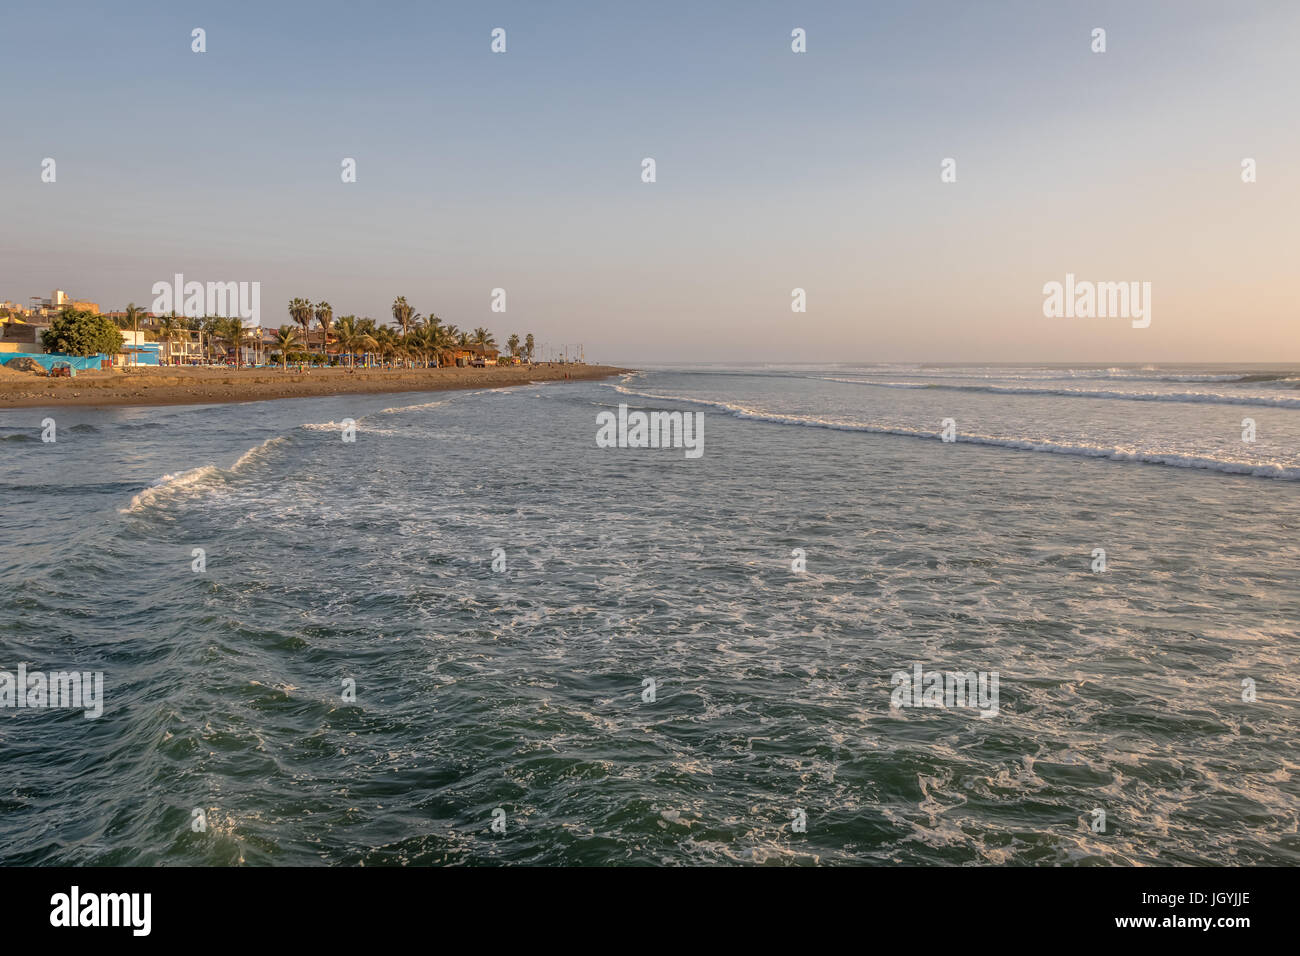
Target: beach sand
(201, 386)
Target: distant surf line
(1112, 453)
(1199, 398)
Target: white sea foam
(1010, 373)
(170, 484)
(182, 481)
(257, 451)
(1208, 463)
(360, 424)
(411, 408)
(1213, 398)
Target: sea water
(473, 635)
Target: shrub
(83, 334)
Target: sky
(775, 170)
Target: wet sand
(201, 386)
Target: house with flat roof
(467, 355)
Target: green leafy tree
(350, 338)
(324, 317)
(302, 312)
(385, 342)
(232, 333)
(424, 342)
(169, 330)
(82, 333)
(403, 314)
(444, 342)
(133, 315)
(286, 340)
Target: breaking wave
(256, 452)
(1212, 398)
(170, 484)
(1207, 463)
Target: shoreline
(214, 386)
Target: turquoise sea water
(523, 689)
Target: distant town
(314, 337)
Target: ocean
(473, 636)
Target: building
(463, 355)
(22, 335)
(137, 349)
(57, 302)
(187, 348)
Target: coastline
(207, 386)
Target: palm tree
(229, 332)
(345, 333)
(133, 313)
(433, 341)
(385, 341)
(528, 347)
(368, 329)
(169, 328)
(484, 338)
(301, 311)
(403, 314)
(444, 341)
(324, 315)
(286, 340)
(425, 342)
(211, 326)
(512, 344)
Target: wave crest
(1172, 459)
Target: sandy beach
(198, 386)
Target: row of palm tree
(412, 338)
(420, 343)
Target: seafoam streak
(1225, 466)
(1212, 398)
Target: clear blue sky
(775, 170)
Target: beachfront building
(185, 348)
(137, 349)
(22, 336)
(266, 342)
(473, 355)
